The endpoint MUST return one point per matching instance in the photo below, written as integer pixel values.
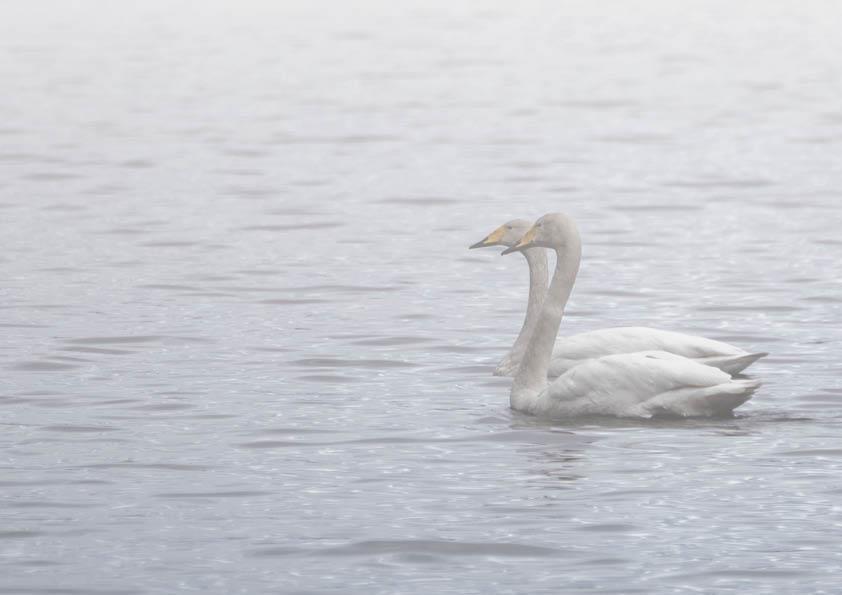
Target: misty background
(245, 348)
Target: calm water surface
(246, 350)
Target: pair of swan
(627, 372)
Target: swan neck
(532, 375)
(536, 258)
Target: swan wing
(573, 350)
(641, 384)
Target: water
(245, 348)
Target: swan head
(507, 235)
(553, 230)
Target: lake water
(246, 350)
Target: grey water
(245, 349)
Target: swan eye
(509, 227)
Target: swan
(508, 235)
(572, 350)
(643, 384)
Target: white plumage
(642, 384)
(575, 349)
(572, 350)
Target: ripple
(813, 452)
(445, 548)
(717, 183)
(293, 301)
(352, 139)
(53, 176)
(516, 436)
(169, 244)
(107, 190)
(98, 350)
(425, 201)
(117, 339)
(327, 378)
(764, 573)
(153, 466)
(27, 158)
(599, 104)
(79, 429)
(252, 192)
(223, 494)
(44, 366)
(608, 528)
(121, 339)
(750, 308)
(462, 348)
(165, 407)
(169, 287)
(293, 226)
(6, 534)
(659, 208)
(51, 589)
(137, 164)
(392, 341)
(640, 138)
(479, 369)
(327, 362)
(245, 152)
(286, 431)
(47, 504)
(346, 288)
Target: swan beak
(492, 239)
(524, 242)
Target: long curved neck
(532, 375)
(536, 258)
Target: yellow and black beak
(525, 242)
(492, 239)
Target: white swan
(572, 350)
(508, 235)
(644, 384)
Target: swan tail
(712, 401)
(731, 395)
(732, 364)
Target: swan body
(643, 384)
(572, 350)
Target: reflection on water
(246, 349)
